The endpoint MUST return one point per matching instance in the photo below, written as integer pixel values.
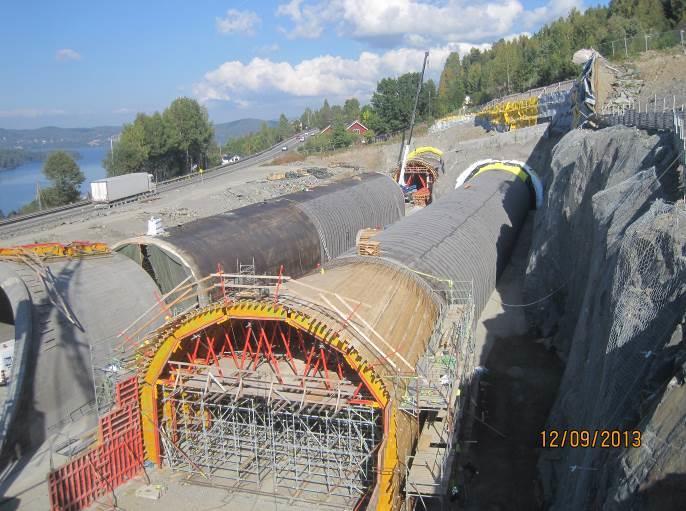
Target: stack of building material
(366, 245)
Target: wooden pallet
(366, 245)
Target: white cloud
(123, 110)
(390, 22)
(30, 113)
(238, 22)
(551, 11)
(266, 49)
(67, 54)
(309, 19)
(321, 76)
(513, 37)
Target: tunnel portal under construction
(344, 387)
(257, 399)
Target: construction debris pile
(607, 277)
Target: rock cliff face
(611, 253)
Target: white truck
(120, 187)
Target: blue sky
(77, 63)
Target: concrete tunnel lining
(299, 231)
(67, 347)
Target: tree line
(65, 177)
(166, 144)
(13, 158)
(388, 111)
(263, 139)
(546, 57)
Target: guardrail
(161, 186)
(19, 218)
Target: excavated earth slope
(609, 253)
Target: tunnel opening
(6, 339)
(418, 180)
(6, 312)
(166, 268)
(260, 402)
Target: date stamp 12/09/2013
(589, 438)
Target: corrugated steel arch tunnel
(299, 231)
(63, 347)
(303, 393)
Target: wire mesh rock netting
(620, 248)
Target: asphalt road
(35, 222)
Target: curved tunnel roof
(87, 302)
(519, 168)
(465, 236)
(299, 231)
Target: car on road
(234, 159)
(284, 148)
(301, 139)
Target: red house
(354, 127)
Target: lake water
(18, 186)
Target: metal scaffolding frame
(278, 444)
(270, 407)
(273, 410)
(436, 395)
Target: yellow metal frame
(513, 114)
(505, 167)
(425, 149)
(170, 339)
(53, 250)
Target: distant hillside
(56, 138)
(51, 137)
(233, 129)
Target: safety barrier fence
(657, 103)
(117, 457)
(448, 122)
(680, 134)
(624, 47)
(641, 120)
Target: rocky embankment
(608, 264)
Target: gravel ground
(462, 145)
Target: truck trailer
(121, 187)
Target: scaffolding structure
(418, 176)
(437, 393)
(275, 445)
(270, 408)
(266, 406)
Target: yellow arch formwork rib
(513, 169)
(425, 149)
(161, 348)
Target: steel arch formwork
(254, 391)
